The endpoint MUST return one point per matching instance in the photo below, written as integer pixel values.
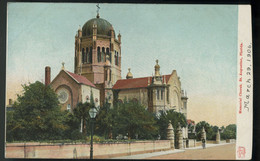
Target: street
(223, 152)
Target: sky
(198, 41)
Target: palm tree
(82, 113)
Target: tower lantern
(157, 68)
(129, 74)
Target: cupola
(157, 68)
(129, 74)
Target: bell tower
(95, 42)
(98, 53)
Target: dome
(103, 27)
(157, 66)
(129, 74)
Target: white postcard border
(244, 84)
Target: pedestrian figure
(204, 143)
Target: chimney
(47, 75)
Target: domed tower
(94, 43)
(98, 55)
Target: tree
(105, 121)
(229, 132)
(11, 126)
(81, 112)
(191, 127)
(73, 123)
(132, 118)
(36, 115)
(208, 129)
(162, 123)
(176, 118)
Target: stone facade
(157, 93)
(62, 80)
(139, 95)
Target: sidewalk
(208, 146)
(148, 155)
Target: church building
(97, 70)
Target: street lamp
(92, 114)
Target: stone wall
(139, 94)
(107, 150)
(86, 94)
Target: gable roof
(136, 82)
(80, 79)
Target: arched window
(162, 91)
(110, 75)
(168, 95)
(107, 54)
(99, 54)
(90, 55)
(83, 55)
(103, 54)
(115, 58)
(150, 94)
(158, 94)
(175, 99)
(87, 55)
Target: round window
(63, 95)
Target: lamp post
(92, 114)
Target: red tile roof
(135, 82)
(80, 79)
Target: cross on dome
(98, 8)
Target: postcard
(129, 81)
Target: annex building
(97, 68)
